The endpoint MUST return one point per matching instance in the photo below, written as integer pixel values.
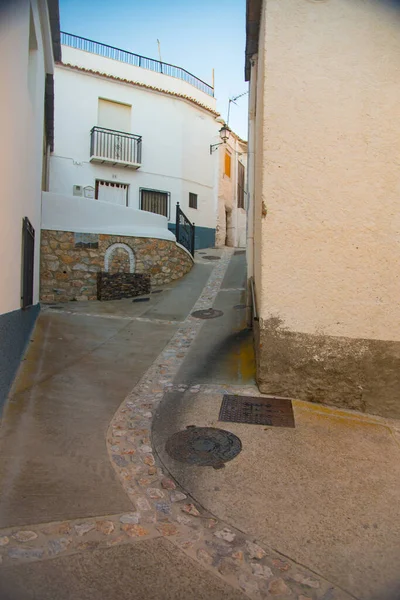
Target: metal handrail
(184, 230)
(81, 43)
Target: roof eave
(253, 18)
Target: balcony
(115, 148)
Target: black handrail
(28, 253)
(184, 231)
(81, 43)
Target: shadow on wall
(233, 358)
(15, 332)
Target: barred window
(155, 201)
(192, 200)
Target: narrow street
(92, 504)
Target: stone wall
(114, 286)
(70, 262)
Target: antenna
(233, 100)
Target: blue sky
(197, 36)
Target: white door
(115, 193)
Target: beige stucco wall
(227, 195)
(327, 172)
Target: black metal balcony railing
(80, 43)
(115, 146)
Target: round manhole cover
(211, 257)
(208, 313)
(203, 446)
(239, 306)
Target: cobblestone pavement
(159, 507)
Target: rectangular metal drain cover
(275, 412)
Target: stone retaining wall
(70, 262)
(114, 286)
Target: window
(155, 201)
(114, 115)
(227, 164)
(111, 191)
(192, 200)
(240, 186)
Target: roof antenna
(233, 100)
(159, 49)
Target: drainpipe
(250, 186)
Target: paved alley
(93, 506)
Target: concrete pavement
(322, 499)
(83, 359)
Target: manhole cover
(275, 412)
(208, 313)
(211, 258)
(203, 446)
(239, 306)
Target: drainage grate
(208, 313)
(141, 300)
(203, 446)
(211, 258)
(239, 252)
(275, 412)
(156, 291)
(239, 306)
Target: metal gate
(28, 257)
(184, 231)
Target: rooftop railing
(136, 60)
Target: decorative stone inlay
(84, 528)
(132, 518)
(86, 240)
(25, 536)
(114, 248)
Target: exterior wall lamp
(224, 134)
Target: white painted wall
(82, 215)
(175, 148)
(21, 139)
(72, 56)
(228, 194)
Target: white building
(28, 49)
(232, 195)
(134, 132)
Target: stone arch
(111, 249)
